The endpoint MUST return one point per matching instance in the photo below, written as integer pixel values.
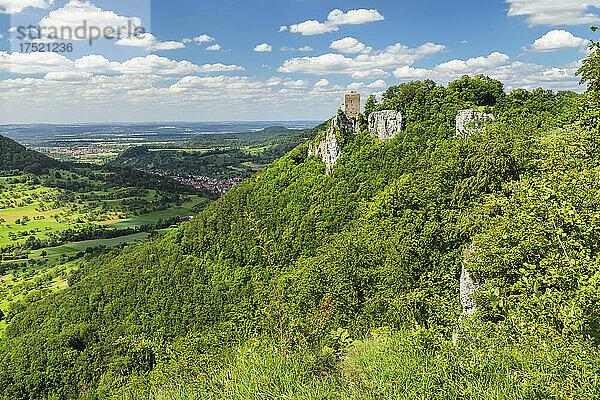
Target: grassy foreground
(404, 365)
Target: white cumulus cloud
(378, 84)
(557, 40)
(274, 81)
(203, 39)
(312, 27)
(350, 45)
(475, 64)
(153, 64)
(73, 15)
(354, 17)
(555, 12)
(68, 76)
(513, 74)
(49, 62)
(214, 47)
(230, 85)
(95, 63)
(263, 47)
(295, 84)
(16, 6)
(219, 67)
(304, 48)
(407, 72)
(169, 45)
(370, 74)
(362, 66)
(149, 42)
(34, 63)
(335, 19)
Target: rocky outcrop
(341, 122)
(469, 122)
(385, 124)
(468, 287)
(328, 149)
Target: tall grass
(486, 364)
(404, 365)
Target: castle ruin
(351, 105)
(383, 125)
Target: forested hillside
(13, 156)
(217, 155)
(292, 254)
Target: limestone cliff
(469, 122)
(385, 124)
(469, 285)
(329, 149)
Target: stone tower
(351, 104)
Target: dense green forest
(217, 155)
(216, 163)
(264, 292)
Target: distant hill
(17, 159)
(223, 156)
(213, 163)
(253, 139)
(276, 130)
(14, 156)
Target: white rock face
(385, 124)
(342, 122)
(468, 286)
(469, 122)
(329, 149)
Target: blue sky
(277, 59)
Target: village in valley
(214, 185)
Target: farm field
(76, 247)
(29, 210)
(32, 279)
(44, 275)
